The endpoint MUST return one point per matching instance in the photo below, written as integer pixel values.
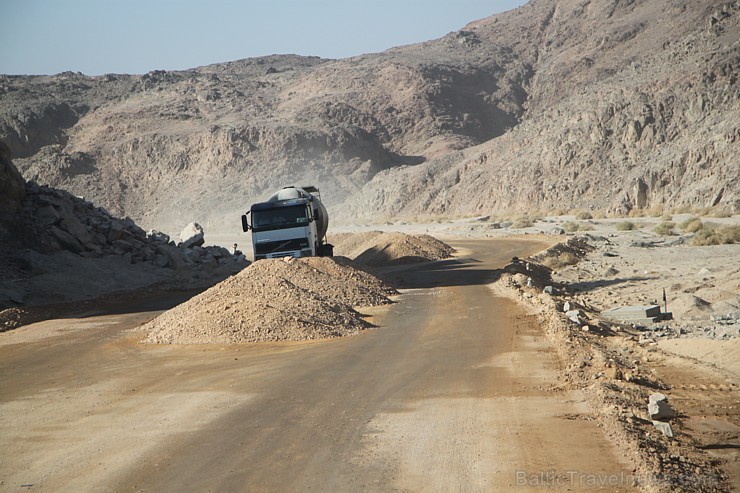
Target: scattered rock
(574, 316)
(158, 236)
(664, 428)
(658, 407)
(192, 236)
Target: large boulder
(12, 185)
(192, 236)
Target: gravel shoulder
(691, 359)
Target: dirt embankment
(619, 366)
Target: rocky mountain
(608, 104)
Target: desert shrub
(626, 226)
(706, 236)
(721, 213)
(665, 229)
(522, 222)
(666, 217)
(599, 215)
(683, 209)
(570, 226)
(730, 234)
(691, 225)
(714, 211)
(562, 260)
(584, 215)
(713, 235)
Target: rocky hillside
(609, 104)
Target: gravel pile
(377, 248)
(275, 300)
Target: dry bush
(715, 211)
(666, 217)
(691, 225)
(522, 222)
(570, 226)
(584, 215)
(665, 229)
(711, 235)
(599, 215)
(721, 212)
(562, 260)
(706, 237)
(731, 234)
(626, 226)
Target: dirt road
(456, 391)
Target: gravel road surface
(457, 390)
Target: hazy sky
(135, 36)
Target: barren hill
(560, 103)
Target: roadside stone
(116, 231)
(12, 184)
(158, 236)
(48, 215)
(658, 407)
(123, 245)
(614, 373)
(66, 240)
(192, 236)
(574, 316)
(79, 231)
(664, 428)
(547, 290)
(161, 260)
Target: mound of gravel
(377, 248)
(275, 300)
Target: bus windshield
(279, 218)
